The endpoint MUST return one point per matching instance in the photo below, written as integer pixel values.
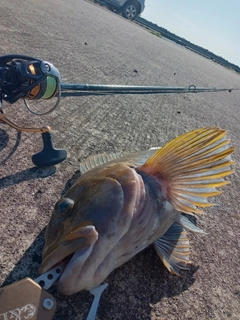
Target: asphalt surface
(89, 44)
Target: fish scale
(122, 204)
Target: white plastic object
(47, 279)
(97, 292)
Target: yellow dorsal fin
(190, 167)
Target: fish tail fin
(191, 167)
(173, 249)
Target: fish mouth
(74, 250)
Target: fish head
(85, 226)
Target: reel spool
(27, 78)
(47, 89)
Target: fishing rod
(28, 78)
(124, 89)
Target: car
(130, 9)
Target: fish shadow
(28, 265)
(133, 289)
(136, 287)
(70, 182)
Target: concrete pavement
(89, 44)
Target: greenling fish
(120, 206)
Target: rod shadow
(4, 139)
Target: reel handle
(49, 156)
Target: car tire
(130, 10)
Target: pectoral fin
(186, 223)
(173, 249)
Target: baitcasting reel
(27, 78)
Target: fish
(121, 204)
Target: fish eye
(63, 206)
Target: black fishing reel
(27, 78)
